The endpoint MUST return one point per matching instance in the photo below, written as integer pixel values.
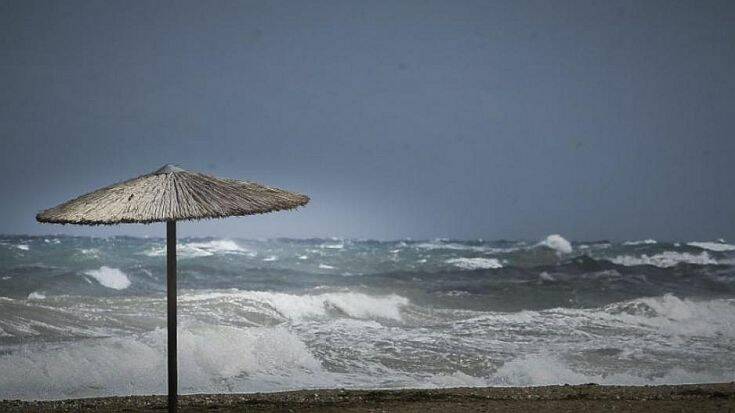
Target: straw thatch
(171, 194)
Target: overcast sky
(514, 119)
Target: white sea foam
(442, 245)
(217, 246)
(666, 315)
(202, 249)
(211, 359)
(23, 247)
(336, 246)
(270, 258)
(713, 246)
(665, 259)
(548, 369)
(679, 316)
(475, 263)
(558, 243)
(36, 296)
(110, 277)
(303, 257)
(545, 276)
(454, 293)
(297, 307)
(346, 331)
(326, 267)
(642, 242)
(353, 304)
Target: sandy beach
(581, 398)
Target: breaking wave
(213, 358)
(299, 307)
(201, 249)
(441, 245)
(36, 296)
(333, 246)
(678, 316)
(475, 263)
(641, 242)
(86, 316)
(547, 369)
(110, 278)
(557, 243)
(665, 259)
(713, 246)
(339, 339)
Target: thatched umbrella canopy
(171, 194)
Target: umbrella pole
(171, 314)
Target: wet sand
(582, 398)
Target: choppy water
(85, 316)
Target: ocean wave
(299, 307)
(340, 339)
(201, 249)
(557, 243)
(442, 245)
(454, 293)
(545, 276)
(211, 359)
(37, 317)
(110, 277)
(411, 319)
(713, 246)
(665, 259)
(641, 242)
(667, 314)
(333, 246)
(678, 316)
(23, 247)
(217, 246)
(475, 263)
(36, 296)
(549, 369)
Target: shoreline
(715, 397)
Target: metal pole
(171, 318)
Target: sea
(85, 316)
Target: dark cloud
(422, 119)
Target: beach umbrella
(171, 194)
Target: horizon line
(641, 241)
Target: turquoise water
(84, 316)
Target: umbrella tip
(168, 168)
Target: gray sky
(515, 119)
